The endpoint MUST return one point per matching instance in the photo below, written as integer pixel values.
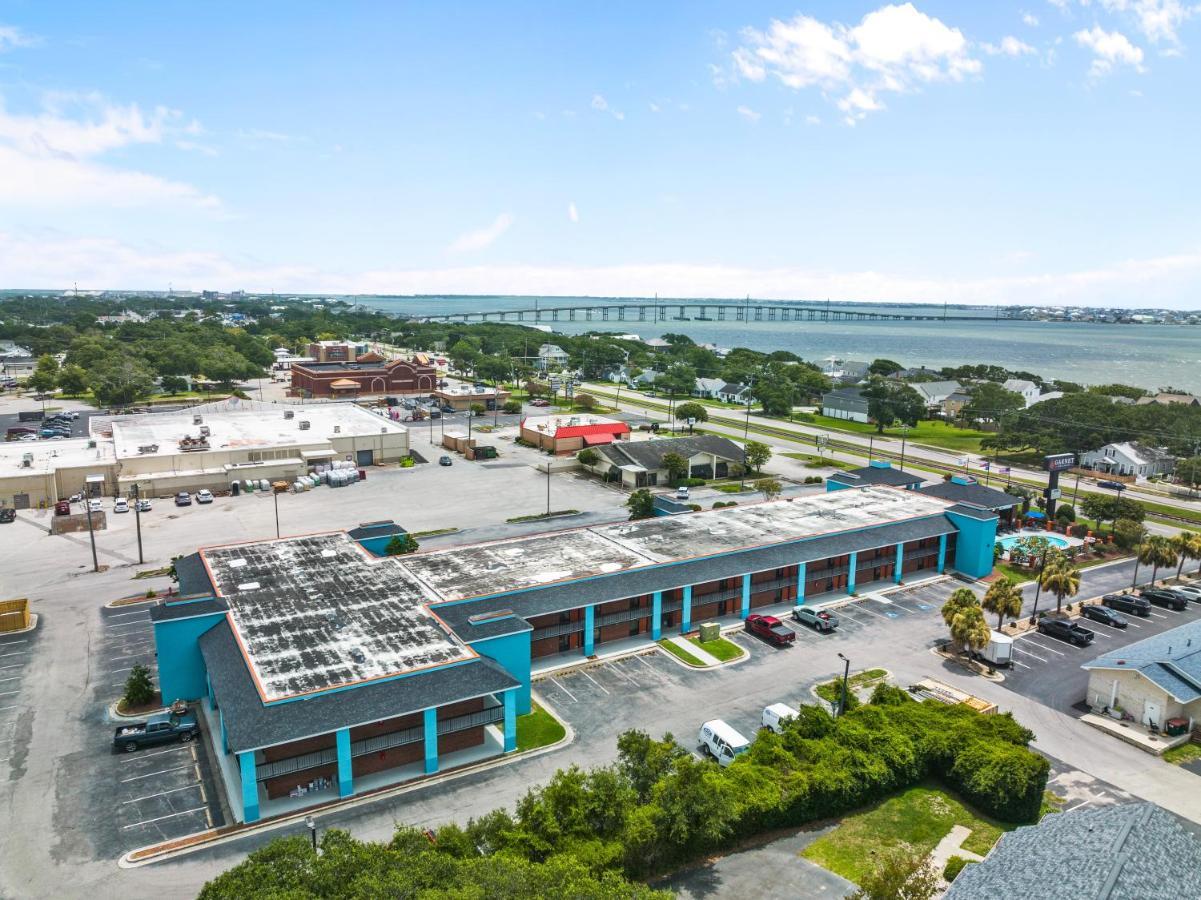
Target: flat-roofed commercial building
(326, 667)
(370, 375)
(569, 433)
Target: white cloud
(600, 104)
(82, 125)
(749, 114)
(1158, 20)
(12, 37)
(813, 120)
(194, 147)
(261, 134)
(894, 49)
(1110, 48)
(654, 107)
(572, 213)
(482, 237)
(105, 263)
(1009, 46)
(1030, 19)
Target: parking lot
(1048, 670)
(16, 717)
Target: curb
(33, 623)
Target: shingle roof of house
(649, 454)
(847, 393)
(974, 493)
(730, 388)
(936, 391)
(1129, 851)
(876, 475)
(1171, 660)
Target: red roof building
(567, 433)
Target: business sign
(1052, 493)
(1058, 462)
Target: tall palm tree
(969, 629)
(1186, 544)
(1160, 553)
(1003, 599)
(1062, 580)
(1142, 557)
(1195, 547)
(961, 599)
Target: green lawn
(813, 461)
(1182, 754)
(680, 653)
(831, 691)
(721, 648)
(920, 817)
(1013, 574)
(729, 488)
(928, 431)
(538, 729)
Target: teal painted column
(746, 596)
(589, 629)
(656, 615)
(800, 583)
(942, 553)
(686, 611)
(510, 721)
(854, 561)
(900, 568)
(345, 772)
(250, 787)
(430, 730)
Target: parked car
(1182, 592)
(120, 505)
(62, 508)
(1190, 591)
(1112, 485)
(435, 413)
(1105, 616)
(1066, 631)
(770, 629)
(682, 492)
(818, 619)
(144, 505)
(94, 504)
(539, 402)
(161, 729)
(1128, 603)
(183, 498)
(1165, 598)
(721, 741)
(776, 717)
(204, 495)
(447, 408)
(7, 514)
(444, 461)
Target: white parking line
(3, 708)
(10, 677)
(17, 653)
(139, 612)
(8, 693)
(573, 697)
(861, 608)
(1028, 653)
(1042, 646)
(136, 626)
(186, 787)
(168, 816)
(152, 774)
(594, 681)
(13, 666)
(616, 668)
(1158, 615)
(648, 665)
(14, 643)
(1022, 664)
(175, 749)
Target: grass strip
(538, 728)
(434, 533)
(720, 648)
(538, 516)
(680, 653)
(1182, 754)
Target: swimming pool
(1054, 540)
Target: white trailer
(999, 651)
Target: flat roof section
(315, 613)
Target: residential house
(878, 471)
(640, 463)
(734, 393)
(1129, 458)
(551, 356)
(933, 393)
(707, 388)
(953, 404)
(921, 372)
(846, 371)
(1027, 389)
(1120, 850)
(1163, 399)
(845, 403)
(657, 344)
(643, 380)
(1155, 679)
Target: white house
(1129, 458)
(933, 393)
(734, 393)
(552, 356)
(1028, 390)
(707, 388)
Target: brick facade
(400, 376)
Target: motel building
(324, 669)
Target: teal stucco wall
(181, 673)
(974, 544)
(512, 651)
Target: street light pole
(746, 432)
(904, 435)
(137, 517)
(312, 824)
(1038, 586)
(275, 497)
(88, 482)
(548, 462)
(846, 671)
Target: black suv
(1165, 598)
(1129, 603)
(1105, 616)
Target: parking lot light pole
(137, 517)
(275, 496)
(312, 824)
(89, 481)
(904, 435)
(846, 671)
(548, 462)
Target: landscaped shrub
(1006, 780)
(953, 867)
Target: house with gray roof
(845, 403)
(878, 471)
(1155, 679)
(933, 393)
(1129, 458)
(640, 463)
(1128, 851)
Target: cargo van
(777, 716)
(721, 741)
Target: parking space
(16, 652)
(593, 682)
(1048, 669)
(128, 640)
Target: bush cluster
(813, 479)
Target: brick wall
(280, 786)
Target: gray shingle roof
(976, 494)
(1171, 660)
(1132, 851)
(876, 475)
(193, 576)
(649, 454)
(250, 725)
(167, 611)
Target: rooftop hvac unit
(26, 460)
(337, 429)
(288, 413)
(204, 429)
(304, 425)
(197, 419)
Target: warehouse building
(206, 446)
(568, 433)
(325, 670)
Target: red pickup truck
(770, 629)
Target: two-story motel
(325, 669)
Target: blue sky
(1040, 152)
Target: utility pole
(904, 435)
(275, 497)
(548, 462)
(846, 671)
(137, 517)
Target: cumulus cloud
(600, 104)
(572, 213)
(749, 114)
(1157, 20)
(1030, 19)
(1009, 46)
(482, 237)
(1110, 49)
(893, 49)
(12, 37)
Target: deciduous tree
(641, 504)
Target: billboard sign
(1058, 462)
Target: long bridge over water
(699, 311)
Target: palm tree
(1062, 580)
(961, 599)
(1142, 557)
(1185, 543)
(969, 629)
(1003, 599)
(1160, 553)
(1195, 547)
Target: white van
(723, 743)
(776, 717)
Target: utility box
(710, 631)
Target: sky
(1041, 152)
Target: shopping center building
(325, 670)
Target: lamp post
(846, 671)
(904, 435)
(1038, 586)
(89, 481)
(312, 825)
(548, 462)
(746, 433)
(275, 497)
(137, 517)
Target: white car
(94, 504)
(204, 496)
(682, 493)
(120, 505)
(144, 505)
(1192, 590)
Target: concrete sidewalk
(688, 647)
